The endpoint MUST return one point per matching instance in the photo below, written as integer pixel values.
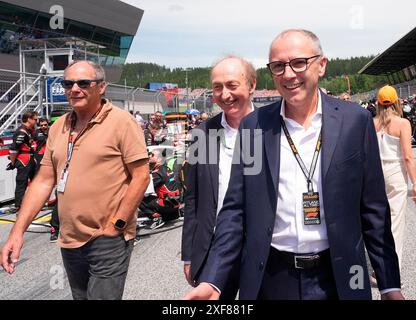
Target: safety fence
(404, 90)
(23, 91)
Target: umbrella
(192, 111)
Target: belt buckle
(313, 257)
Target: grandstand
(38, 39)
(110, 25)
(265, 97)
(198, 92)
(201, 99)
(34, 51)
(398, 64)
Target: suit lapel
(272, 134)
(331, 128)
(214, 168)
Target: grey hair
(309, 34)
(99, 71)
(248, 66)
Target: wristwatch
(119, 224)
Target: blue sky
(195, 33)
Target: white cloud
(195, 33)
(176, 7)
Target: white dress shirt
(290, 233)
(226, 157)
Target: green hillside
(140, 74)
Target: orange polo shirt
(97, 174)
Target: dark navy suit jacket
(201, 203)
(201, 200)
(356, 207)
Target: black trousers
(149, 206)
(282, 281)
(54, 217)
(24, 174)
(98, 269)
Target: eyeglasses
(297, 65)
(83, 83)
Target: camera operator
(409, 112)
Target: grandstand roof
(109, 14)
(400, 55)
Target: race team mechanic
(41, 137)
(165, 205)
(22, 152)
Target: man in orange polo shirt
(101, 171)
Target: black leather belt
(302, 261)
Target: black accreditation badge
(311, 208)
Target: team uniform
(40, 138)
(164, 206)
(24, 144)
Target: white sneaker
(157, 223)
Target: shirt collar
(105, 109)
(316, 119)
(224, 122)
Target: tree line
(335, 80)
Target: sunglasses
(83, 83)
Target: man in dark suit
(233, 82)
(302, 222)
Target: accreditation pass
(62, 181)
(311, 208)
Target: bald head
(230, 61)
(307, 35)
(99, 71)
(233, 81)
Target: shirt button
(261, 266)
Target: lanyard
(308, 174)
(71, 140)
